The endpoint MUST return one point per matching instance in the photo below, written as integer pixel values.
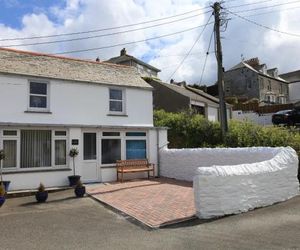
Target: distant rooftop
(293, 76)
(124, 57)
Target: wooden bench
(134, 166)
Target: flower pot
(2, 200)
(73, 179)
(80, 191)
(41, 196)
(6, 185)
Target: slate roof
(243, 65)
(125, 58)
(188, 93)
(57, 67)
(293, 76)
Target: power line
(191, 47)
(207, 53)
(261, 25)
(266, 7)
(128, 43)
(103, 29)
(97, 36)
(243, 5)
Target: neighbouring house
(250, 80)
(176, 97)
(144, 69)
(294, 85)
(50, 104)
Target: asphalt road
(68, 223)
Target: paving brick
(154, 202)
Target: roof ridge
(33, 53)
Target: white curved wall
(234, 180)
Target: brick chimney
(253, 62)
(123, 52)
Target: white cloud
(276, 50)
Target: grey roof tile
(49, 66)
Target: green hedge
(192, 130)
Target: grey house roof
(56, 67)
(188, 93)
(125, 58)
(246, 65)
(293, 76)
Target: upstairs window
(116, 101)
(38, 96)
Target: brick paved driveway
(154, 202)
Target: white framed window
(116, 101)
(10, 145)
(60, 147)
(38, 96)
(111, 147)
(136, 145)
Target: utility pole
(222, 106)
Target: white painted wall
(234, 180)
(212, 114)
(294, 92)
(264, 119)
(232, 189)
(73, 103)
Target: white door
(90, 171)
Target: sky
(241, 40)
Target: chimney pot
(123, 52)
(97, 59)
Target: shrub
(41, 188)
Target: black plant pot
(2, 200)
(80, 191)
(41, 196)
(73, 179)
(6, 185)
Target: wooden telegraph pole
(222, 106)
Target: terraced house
(252, 80)
(50, 104)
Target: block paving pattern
(155, 202)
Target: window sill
(108, 166)
(38, 111)
(21, 171)
(116, 114)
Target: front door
(89, 169)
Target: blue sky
(12, 11)
(26, 18)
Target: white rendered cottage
(49, 104)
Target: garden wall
(234, 180)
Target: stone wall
(234, 180)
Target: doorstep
(29, 192)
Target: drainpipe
(158, 156)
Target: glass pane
(38, 88)
(10, 132)
(38, 101)
(10, 151)
(60, 133)
(115, 94)
(136, 149)
(60, 152)
(35, 148)
(89, 146)
(135, 133)
(111, 133)
(111, 150)
(115, 106)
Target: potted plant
(2, 195)
(41, 195)
(79, 189)
(73, 179)
(5, 183)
